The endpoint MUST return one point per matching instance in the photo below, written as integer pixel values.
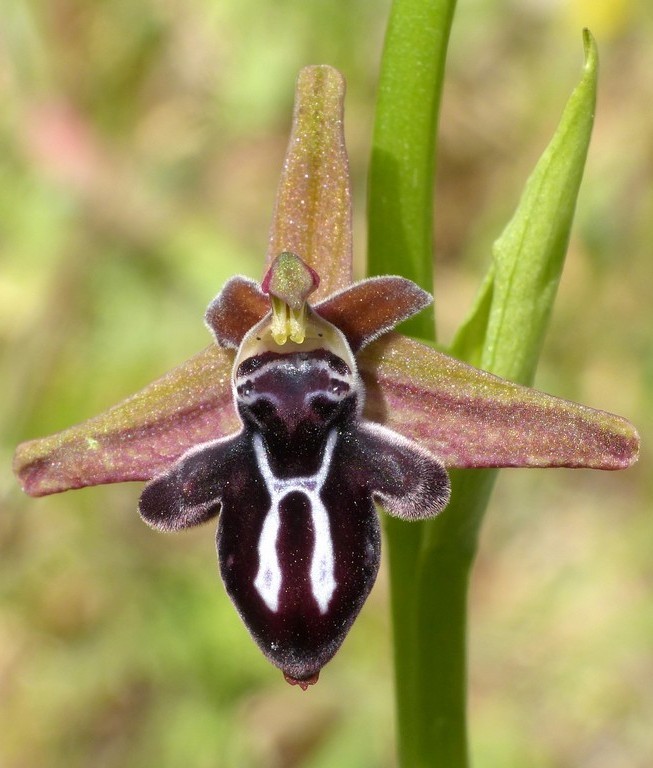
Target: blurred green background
(140, 145)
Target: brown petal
(139, 437)
(239, 306)
(469, 418)
(366, 310)
(312, 215)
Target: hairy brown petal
(237, 308)
(366, 310)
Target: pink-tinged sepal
(470, 418)
(312, 213)
(139, 437)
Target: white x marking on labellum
(269, 578)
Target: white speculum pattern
(269, 579)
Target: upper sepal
(312, 214)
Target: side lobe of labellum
(470, 418)
(190, 492)
(139, 437)
(407, 480)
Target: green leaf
(504, 335)
(470, 338)
(529, 255)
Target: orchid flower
(307, 410)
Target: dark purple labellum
(298, 535)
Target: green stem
(400, 237)
(441, 738)
(402, 547)
(447, 556)
(400, 207)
